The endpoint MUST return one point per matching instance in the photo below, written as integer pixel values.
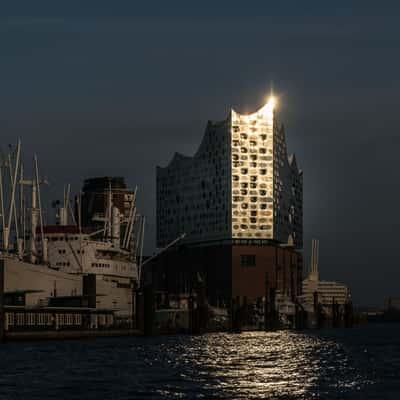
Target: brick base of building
(227, 270)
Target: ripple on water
(341, 364)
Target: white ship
(48, 264)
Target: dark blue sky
(116, 87)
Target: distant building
(239, 201)
(327, 292)
(392, 303)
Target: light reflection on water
(262, 365)
(360, 363)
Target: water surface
(357, 363)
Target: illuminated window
(265, 227)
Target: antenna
(314, 259)
(79, 201)
(37, 183)
(36, 213)
(72, 213)
(63, 210)
(13, 210)
(2, 202)
(109, 211)
(21, 201)
(141, 246)
(131, 222)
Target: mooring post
(149, 310)
(267, 325)
(274, 313)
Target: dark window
(248, 260)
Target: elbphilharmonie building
(238, 200)
(240, 184)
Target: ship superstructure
(110, 246)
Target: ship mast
(130, 223)
(2, 203)
(12, 209)
(63, 211)
(36, 214)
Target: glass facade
(240, 184)
(252, 144)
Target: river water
(358, 363)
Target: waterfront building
(240, 184)
(239, 202)
(326, 293)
